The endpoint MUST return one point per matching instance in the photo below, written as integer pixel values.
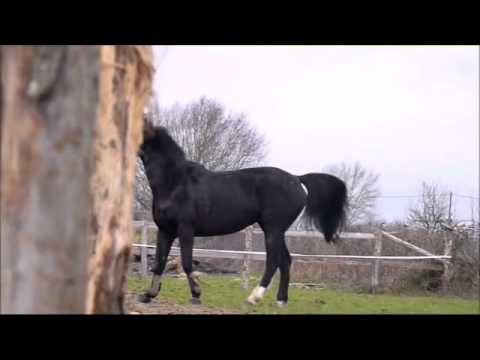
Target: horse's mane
(196, 166)
(159, 140)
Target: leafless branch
(362, 187)
(431, 210)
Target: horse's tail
(326, 203)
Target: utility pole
(450, 209)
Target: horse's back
(240, 198)
(225, 203)
(280, 195)
(264, 182)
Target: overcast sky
(408, 113)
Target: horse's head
(150, 131)
(157, 139)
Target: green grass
(225, 292)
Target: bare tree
(363, 189)
(143, 193)
(209, 136)
(431, 211)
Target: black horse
(189, 201)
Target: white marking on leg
(304, 188)
(303, 210)
(256, 295)
(281, 303)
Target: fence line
(293, 233)
(261, 255)
(407, 244)
(375, 260)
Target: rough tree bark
(48, 113)
(125, 86)
(71, 122)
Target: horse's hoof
(196, 301)
(281, 304)
(251, 302)
(144, 298)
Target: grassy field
(224, 292)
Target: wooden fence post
(376, 263)
(144, 250)
(246, 258)
(447, 263)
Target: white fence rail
(375, 260)
(260, 255)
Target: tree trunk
(48, 115)
(70, 125)
(125, 85)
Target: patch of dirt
(167, 307)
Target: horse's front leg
(164, 244)
(185, 235)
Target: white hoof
(250, 301)
(256, 296)
(281, 304)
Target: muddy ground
(165, 307)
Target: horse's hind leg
(285, 262)
(164, 243)
(272, 262)
(186, 251)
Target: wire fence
(420, 196)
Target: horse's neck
(164, 176)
